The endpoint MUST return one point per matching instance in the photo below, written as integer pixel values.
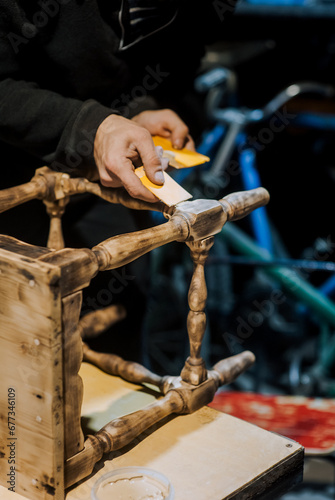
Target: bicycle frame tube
(259, 218)
(318, 121)
(293, 283)
(211, 139)
(226, 149)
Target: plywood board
(207, 455)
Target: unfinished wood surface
(179, 397)
(116, 195)
(128, 370)
(194, 371)
(122, 249)
(189, 221)
(11, 197)
(55, 209)
(224, 372)
(43, 297)
(238, 205)
(184, 394)
(229, 458)
(72, 383)
(226, 455)
(24, 249)
(78, 267)
(95, 322)
(31, 372)
(49, 185)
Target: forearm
(57, 129)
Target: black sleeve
(56, 129)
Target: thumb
(151, 162)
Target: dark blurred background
(268, 45)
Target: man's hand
(166, 123)
(120, 145)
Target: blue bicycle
(256, 257)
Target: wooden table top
(208, 455)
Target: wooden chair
(41, 346)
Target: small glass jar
(133, 483)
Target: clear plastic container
(133, 483)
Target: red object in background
(309, 421)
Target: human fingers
(126, 178)
(179, 131)
(134, 186)
(166, 123)
(119, 147)
(164, 161)
(152, 161)
(190, 143)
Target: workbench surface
(208, 455)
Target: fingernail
(159, 177)
(178, 144)
(159, 151)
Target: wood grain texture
(115, 365)
(230, 458)
(41, 292)
(54, 186)
(207, 455)
(120, 250)
(55, 210)
(72, 383)
(31, 364)
(117, 434)
(95, 322)
(116, 195)
(78, 267)
(180, 397)
(194, 371)
(11, 197)
(13, 245)
(229, 369)
(189, 221)
(238, 205)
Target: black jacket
(65, 66)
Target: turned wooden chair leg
(96, 322)
(128, 370)
(180, 398)
(55, 210)
(194, 371)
